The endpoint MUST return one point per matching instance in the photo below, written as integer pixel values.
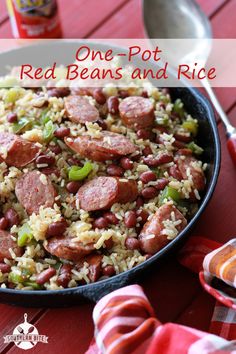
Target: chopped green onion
(77, 173)
(48, 131)
(197, 150)
(24, 235)
(15, 278)
(170, 193)
(33, 285)
(178, 108)
(18, 126)
(191, 126)
(44, 116)
(12, 95)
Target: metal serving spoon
(185, 19)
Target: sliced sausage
(58, 92)
(66, 248)
(7, 242)
(107, 147)
(187, 166)
(137, 112)
(82, 91)
(152, 237)
(34, 189)
(95, 266)
(103, 192)
(16, 151)
(79, 110)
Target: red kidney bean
(99, 96)
(136, 157)
(45, 159)
(12, 217)
(161, 129)
(4, 268)
(3, 223)
(139, 202)
(144, 134)
(123, 94)
(162, 105)
(12, 117)
(55, 149)
(100, 223)
(50, 170)
(130, 219)
(147, 176)
(132, 243)
(144, 94)
(111, 218)
(143, 214)
(57, 228)
(113, 105)
(174, 116)
(149, 192)
(147, 151)
(186, 152)
(109, 243)
(65, 275)
(58, 92)
(102, 124)
(179, 144)
(154, 161)
(73, 187)
(62, 132)
(44, 277)
(73, 161)
(108, 271)
(182, 137)
(126, 163)
(114, 170)
(161, 183)
(175, 172)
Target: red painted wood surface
(181, 299)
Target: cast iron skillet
(199, 107)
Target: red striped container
(34, 18)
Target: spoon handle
(230, 129)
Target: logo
(25, 336)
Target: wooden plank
(170, 288)
(198, 314)
(12, 316)
(223, 23)
(3, 11)
(78, 18)
(68, 331)
(211, 6)
(127, 23)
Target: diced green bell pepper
(77, 173)
(170, 193)
(24, 235)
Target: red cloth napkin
(125, 323)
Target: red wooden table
(70, 330)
